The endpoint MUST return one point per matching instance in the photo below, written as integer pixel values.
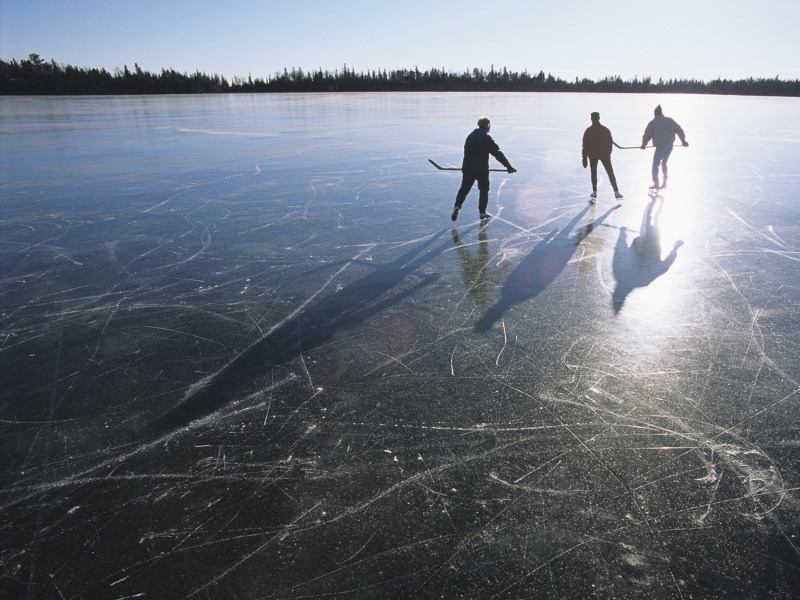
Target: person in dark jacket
(475, 167)
(597, 142)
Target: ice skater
(662, 130)
(475, 167)
(597, 146)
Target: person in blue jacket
(475, 167)
(662, 130)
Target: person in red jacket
(475, 167)
(597, 142)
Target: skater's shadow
(475, 266)
(385, 286)
(639, 264)
(540, 268)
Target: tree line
(34, 75)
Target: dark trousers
(468, 178)
(609, 171)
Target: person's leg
(660, 157)
(593, 171)
(664, 160)
(654, 173)
(483, 188)
(610, 172)
(467, 180)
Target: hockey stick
(637, 147)
(441, 168)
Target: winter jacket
(597, 142)
(662, 131)
(477, 148)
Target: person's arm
(495, 151)
(648, 134)
(501, 158)
(584, 154)
(681, 135)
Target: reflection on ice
(475, 267)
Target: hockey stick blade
(638, 147)
(441, 168)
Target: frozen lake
(246, 354)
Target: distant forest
(34, 75)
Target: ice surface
(246, 354)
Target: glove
(685, 144)
(584, 162)
(511, 170)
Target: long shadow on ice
(540, 268)
(310, 327)
(639, 264)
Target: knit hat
(658, 110)
(595, 116)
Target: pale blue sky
(701, 39)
